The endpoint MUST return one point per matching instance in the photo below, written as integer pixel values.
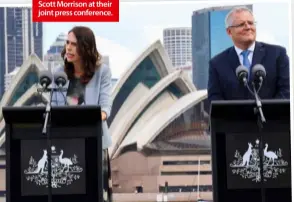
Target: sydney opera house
(159, 127)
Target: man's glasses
(243, 24)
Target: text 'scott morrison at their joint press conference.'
(248, 93)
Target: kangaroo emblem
(41, 163)
(247, 155)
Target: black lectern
(76, 161)
(251, 162)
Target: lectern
(251, 161)
(76, 148)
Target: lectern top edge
(248, 102)
(56, 107)
(35, 114)
(231, 109)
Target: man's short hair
(229, 20)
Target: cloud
(152, 33)
(119, 57)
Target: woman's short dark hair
(86, 48)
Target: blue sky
(142, 23)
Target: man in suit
(223, 83)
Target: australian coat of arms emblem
(65, 170)
(247, 165)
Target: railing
(152, 197)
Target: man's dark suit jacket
(224, 85)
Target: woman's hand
(103, 116)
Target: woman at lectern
(89, 79)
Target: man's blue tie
(246, 61)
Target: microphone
(45, 78)
(242, 74)
(60, 79)
(258, 73)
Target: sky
(142, 24)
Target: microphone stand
(46, 131)
(258, 108)
(260, 121)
